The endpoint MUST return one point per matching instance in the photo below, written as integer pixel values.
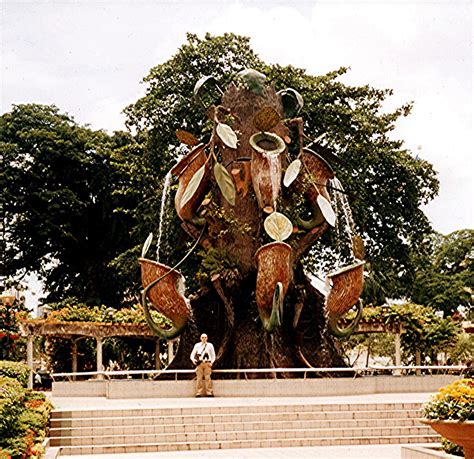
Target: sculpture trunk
(302, 340)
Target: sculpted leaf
(326, 210)
(147, 244)
(292, 172)
(202, 86)
(358, 248)
(266, 119)
(227, 135)
(186, 138)
(253, 80)
(225, 182)
(193, 185)
(292, 102)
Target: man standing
(203, 357)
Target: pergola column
(29, 359)
(398, 356)
(417, 361)
(74, 357)
(100, 365)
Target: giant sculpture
(256, 197)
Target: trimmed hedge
(15, 370)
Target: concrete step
(206, 425)
(227, 418)
(215, 410)
(241, 435)
(123, 448)
(229, 426)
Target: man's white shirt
(200, 348)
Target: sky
(89, 58)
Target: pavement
(323, 452)
(92, 403)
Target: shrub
(451, 448)
(15, 370)
(12, 395)
(11, 343)
(453, 402)
(24, 417)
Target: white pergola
(76, 331)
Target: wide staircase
(218, 427)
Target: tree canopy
(386, 183)
(78, 203)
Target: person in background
(203, 356)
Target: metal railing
(325, 372)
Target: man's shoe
(211, 395)
(198, 396)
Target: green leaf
(193, 185)
(227, 135)
(292, 172)
(147, 244)
(225, 182)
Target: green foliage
(24, 417)
(423, 329)
(118, 354)
(445, 276)
(15, 370)
(463, 349)
(217, 262)
(454, 402)
(71, 310)
(375, 344)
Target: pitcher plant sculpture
(240, 188)
(347, 284)
(164, 289)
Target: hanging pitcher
(164, 289)
(317, 173)
(274, 274)
(347, 284)
(266, 168)
(185, 170)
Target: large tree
(58, 207)
(386, 184)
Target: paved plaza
(97, 403)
